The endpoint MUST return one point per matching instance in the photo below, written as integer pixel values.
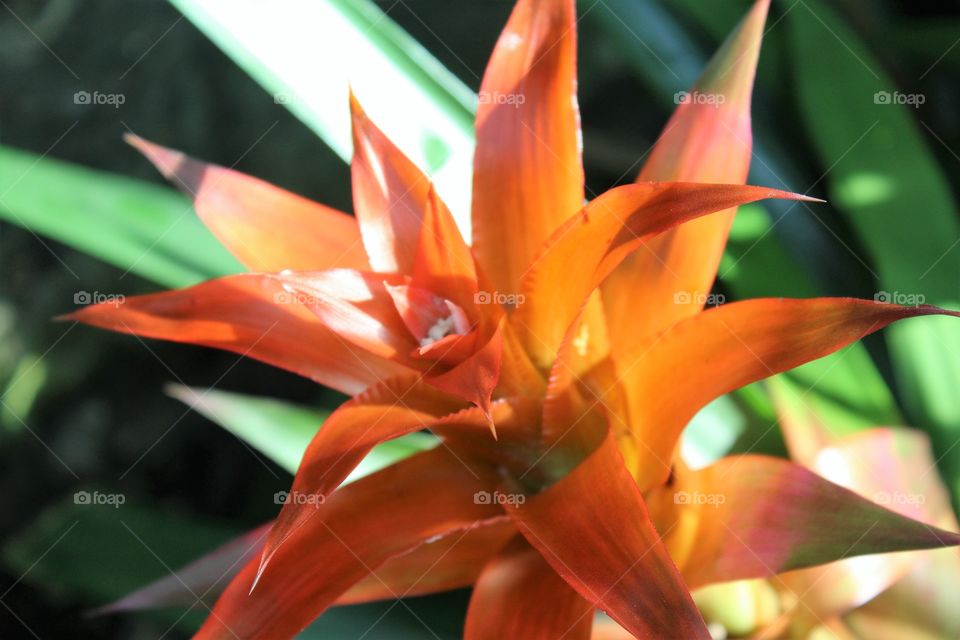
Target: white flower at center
(440, 329)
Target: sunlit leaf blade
(885, 181)
(139, 227)
(307, 53)
(278, 430)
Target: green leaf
(884, 180)
(281, 430)
(844, 388)
(308, 54)
(86, 550)
(139, 227)
(26, 381)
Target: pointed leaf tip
(732, 70)
(168, 161)
(266, 228)
(488, 416)
(389, 195)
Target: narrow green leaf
(84, 549)
(845, 388)
(884, 180)
(139, 227)
(26, 382)
(281, 430)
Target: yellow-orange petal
(708, 139)
(676, 373)
(528, 174)
(589, 246)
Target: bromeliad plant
(558, 357)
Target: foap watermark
(909, 99)
(497, 98)
(899, 297)
(698, 297)
(97, 98)
(96, 498)
(95, 297)
(699, 97)
(495, 297)
(295, 297)
(299, 498)
(498, 497)
(899, 497)
(699, 498)
(282, 98)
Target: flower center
(442, 328)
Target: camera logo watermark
(97, 98)
(908, 99)
(698, 297)
(296, 297)
(96, 498)
(697, 498)
(699, 97)
(299, 498)
(898, 297)
(95, 297)
(498, 497)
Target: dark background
(100, 420)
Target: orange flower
(576, 332)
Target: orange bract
(559, 328)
